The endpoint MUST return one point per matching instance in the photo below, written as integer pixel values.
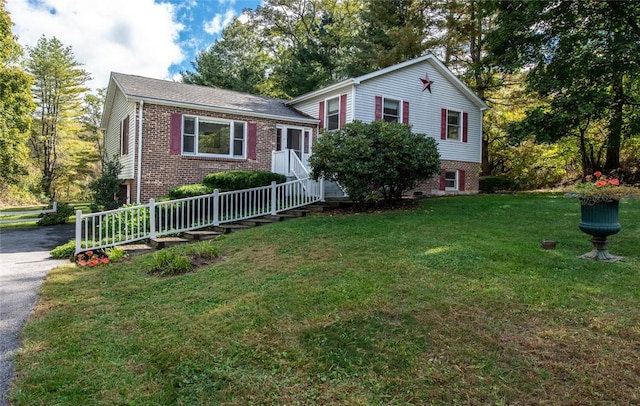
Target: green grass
(84, 206)
(450, 302)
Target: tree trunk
(615, 125)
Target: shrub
(115, 253)
(196, 189)
(169, 263)
(63, 251)
(62, 214)
(496, 184)
(130, 222)
(237, 180)
(104, 188)
(379, 157)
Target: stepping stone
(163, 242)
(200, 235)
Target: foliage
(120, 224)
(449, 302)
(64, 251)
(601, 188)
(583, 55)
(196, 189)
(237, 180)
(62, 214)
(59, 84)
(105, 189)
(170, 263)
(115, 254)
(379, 157)
(497, 184)
(92, 258)
(16, 105)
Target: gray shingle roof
(205, 97)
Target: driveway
(24, 262)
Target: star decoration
(426, 83)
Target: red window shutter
(443, 171)
(378, 108)
(443, 124)
(343, 110)
(405, 112)
(465, 122)
(120, 134)
(461, 180)
(175, 144)
(125, 136)
(321, 114)
(252, 135)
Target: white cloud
(135, 37)
(219, 22)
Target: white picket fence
(36, 213)
(157, 219)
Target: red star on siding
(426, 83)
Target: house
(423, 93)
(167, 134)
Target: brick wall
(162, 170)
(472, 179)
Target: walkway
(24, 262)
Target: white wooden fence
(27, 213)
(156, 219)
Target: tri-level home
(167, 134)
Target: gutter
(139, 172)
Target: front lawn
(450, 302)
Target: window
(391, 110)
(333, 114)
(453, 125)
(205, 136)
(451, 180)
(124, 136)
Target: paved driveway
(24, 262)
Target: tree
(104, 189)
(584, 55)
(16, 104)
(58, 90)
(379, 157)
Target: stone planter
(600, 220)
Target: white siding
(424, 107)
(311, 106)
(121, 108)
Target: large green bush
(104, 188)
(62, 214)
(192, 190)
(237, 180)
(375, 158)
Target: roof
(139, 88)
(435, 62)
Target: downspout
(139, 174)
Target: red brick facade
(162, 170)
(471, 183)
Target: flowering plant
(600, 188)
(91, 258)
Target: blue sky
(154, 38)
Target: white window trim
(283, 128)
(456, 181)
(460, 124)
(214, 120)
(400, 107)
(326, 113)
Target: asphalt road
(24, 262)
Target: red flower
(94, 262)
(614, 181)
(82, 262)
(105, 260)
(89, 253)
(597, 174)
(601, 183)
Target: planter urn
(600, 220)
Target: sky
(152, 38)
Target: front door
(296, 139)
